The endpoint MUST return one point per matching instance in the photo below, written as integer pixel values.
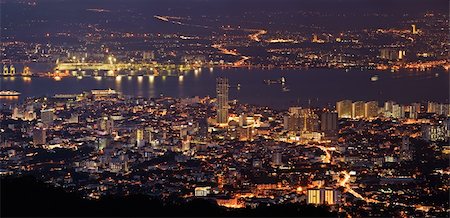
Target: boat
(9, 93)
(374, 78)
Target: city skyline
(224, 108)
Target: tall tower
(414, 29)
(222, 100)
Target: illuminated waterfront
(320, 86)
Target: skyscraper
(139, 134)
(47, 116)
(328, 122)
(39, 136)
(370, 109)
(106, 124)
(414, 29)
(358, 110)
(222, 100)
(301, 119)
(276, 158)
(323, 196)
(344, 108)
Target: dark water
(321, 86)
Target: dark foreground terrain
(25, 197)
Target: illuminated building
(186, 144)
(104, 94)
(202, 191)
(148, 55)
(300, 119)
(392, 54)
(245, 133)
(371, 109)
(398, 111)
(328, 122)
(243, 120)
(316, 39)
(148, 135)
(323, 196)
(74, 118)
(202, 127)
(27, 114)
(414, 29)
(431, 107)
(436, 132)
(344, 109)
(406, 150)
(358, 110)
(47, 116)
(39, 136)
(102, 143)
(443, 109)
(139, 136)
(440, 109)
(277, 159)
(106, 124)
(313, 196)
(388, 105)
(222, 100)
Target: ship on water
(9, 93)
(282, 80)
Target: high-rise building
(222, 100)
(328, 122)
(388, 105)
(406, 149)
(202, 127)
(243, 120)
(106, 124)
(139, 135)
(26, 71)
(47, 116)
(12, 70)
(413, 111)
(432, 107)
(436, 132)
(148, 135)
(277, 158)
(5, 70)
(371, 109)
(344, 109)
(186, 144)
(357, 109)
(245, 133)
(398, 111)
(443, 109)
(323, 196)
(39, 136)
(392, 54)
(414, 29)
(301, 119)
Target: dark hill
(27, 197)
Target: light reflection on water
(321, 87)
